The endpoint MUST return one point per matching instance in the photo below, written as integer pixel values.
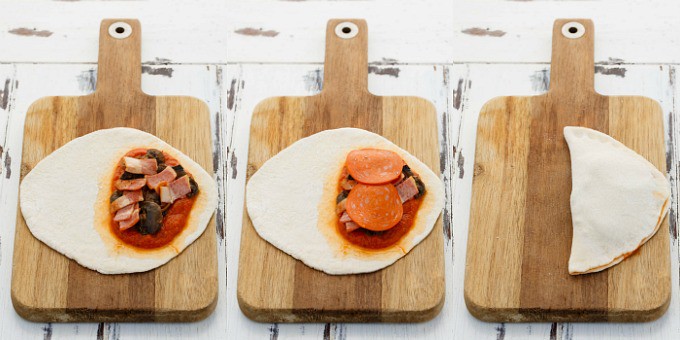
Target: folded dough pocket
(618, 200)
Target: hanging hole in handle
(346, 30)
(573, 30)
(120, 30)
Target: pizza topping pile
(374, 186)
(147, 183)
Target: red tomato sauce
(174, 221)
(374, 240)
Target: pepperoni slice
(374, 166)
(374, 207)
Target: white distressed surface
(204, 31)
(204, 44)
(424, 31)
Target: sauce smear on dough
(173, 223)
(174, 218)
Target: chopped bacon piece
(351, 226)
(144, 166)
(131, 221)
(130, 184)
(166, 195)
(170, 161)
(125, 213)
(167, 175)
(128, 198)
(407, 189)
(348, 184)
(341, 206)
(399, 179)
(175, 190)
(345, 218)
(180, 187)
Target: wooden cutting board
(273, 286)
(47, 286)
(520, 225)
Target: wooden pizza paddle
(273, 286)
(47, 286)
(520, 224)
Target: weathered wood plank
(8, 85)
(410, 32)
(198, 32)
(520, 32)
(175, 33)
(435, 31)
(8, 94)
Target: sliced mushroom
(406, 170)
(341, 196)
(179, 170)
(165, 207)
(194, 187)
(421, 187)
(151, 196)
(157, 154)
(128, 175)
(150, 218)
(116, 194)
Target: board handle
(120, 57)
(572, 69)
(346, 61)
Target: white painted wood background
(232, 54)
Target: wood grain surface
(274, 287)
(520, 225)
(185, 289)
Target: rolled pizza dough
(291, 202)
(65, 202)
